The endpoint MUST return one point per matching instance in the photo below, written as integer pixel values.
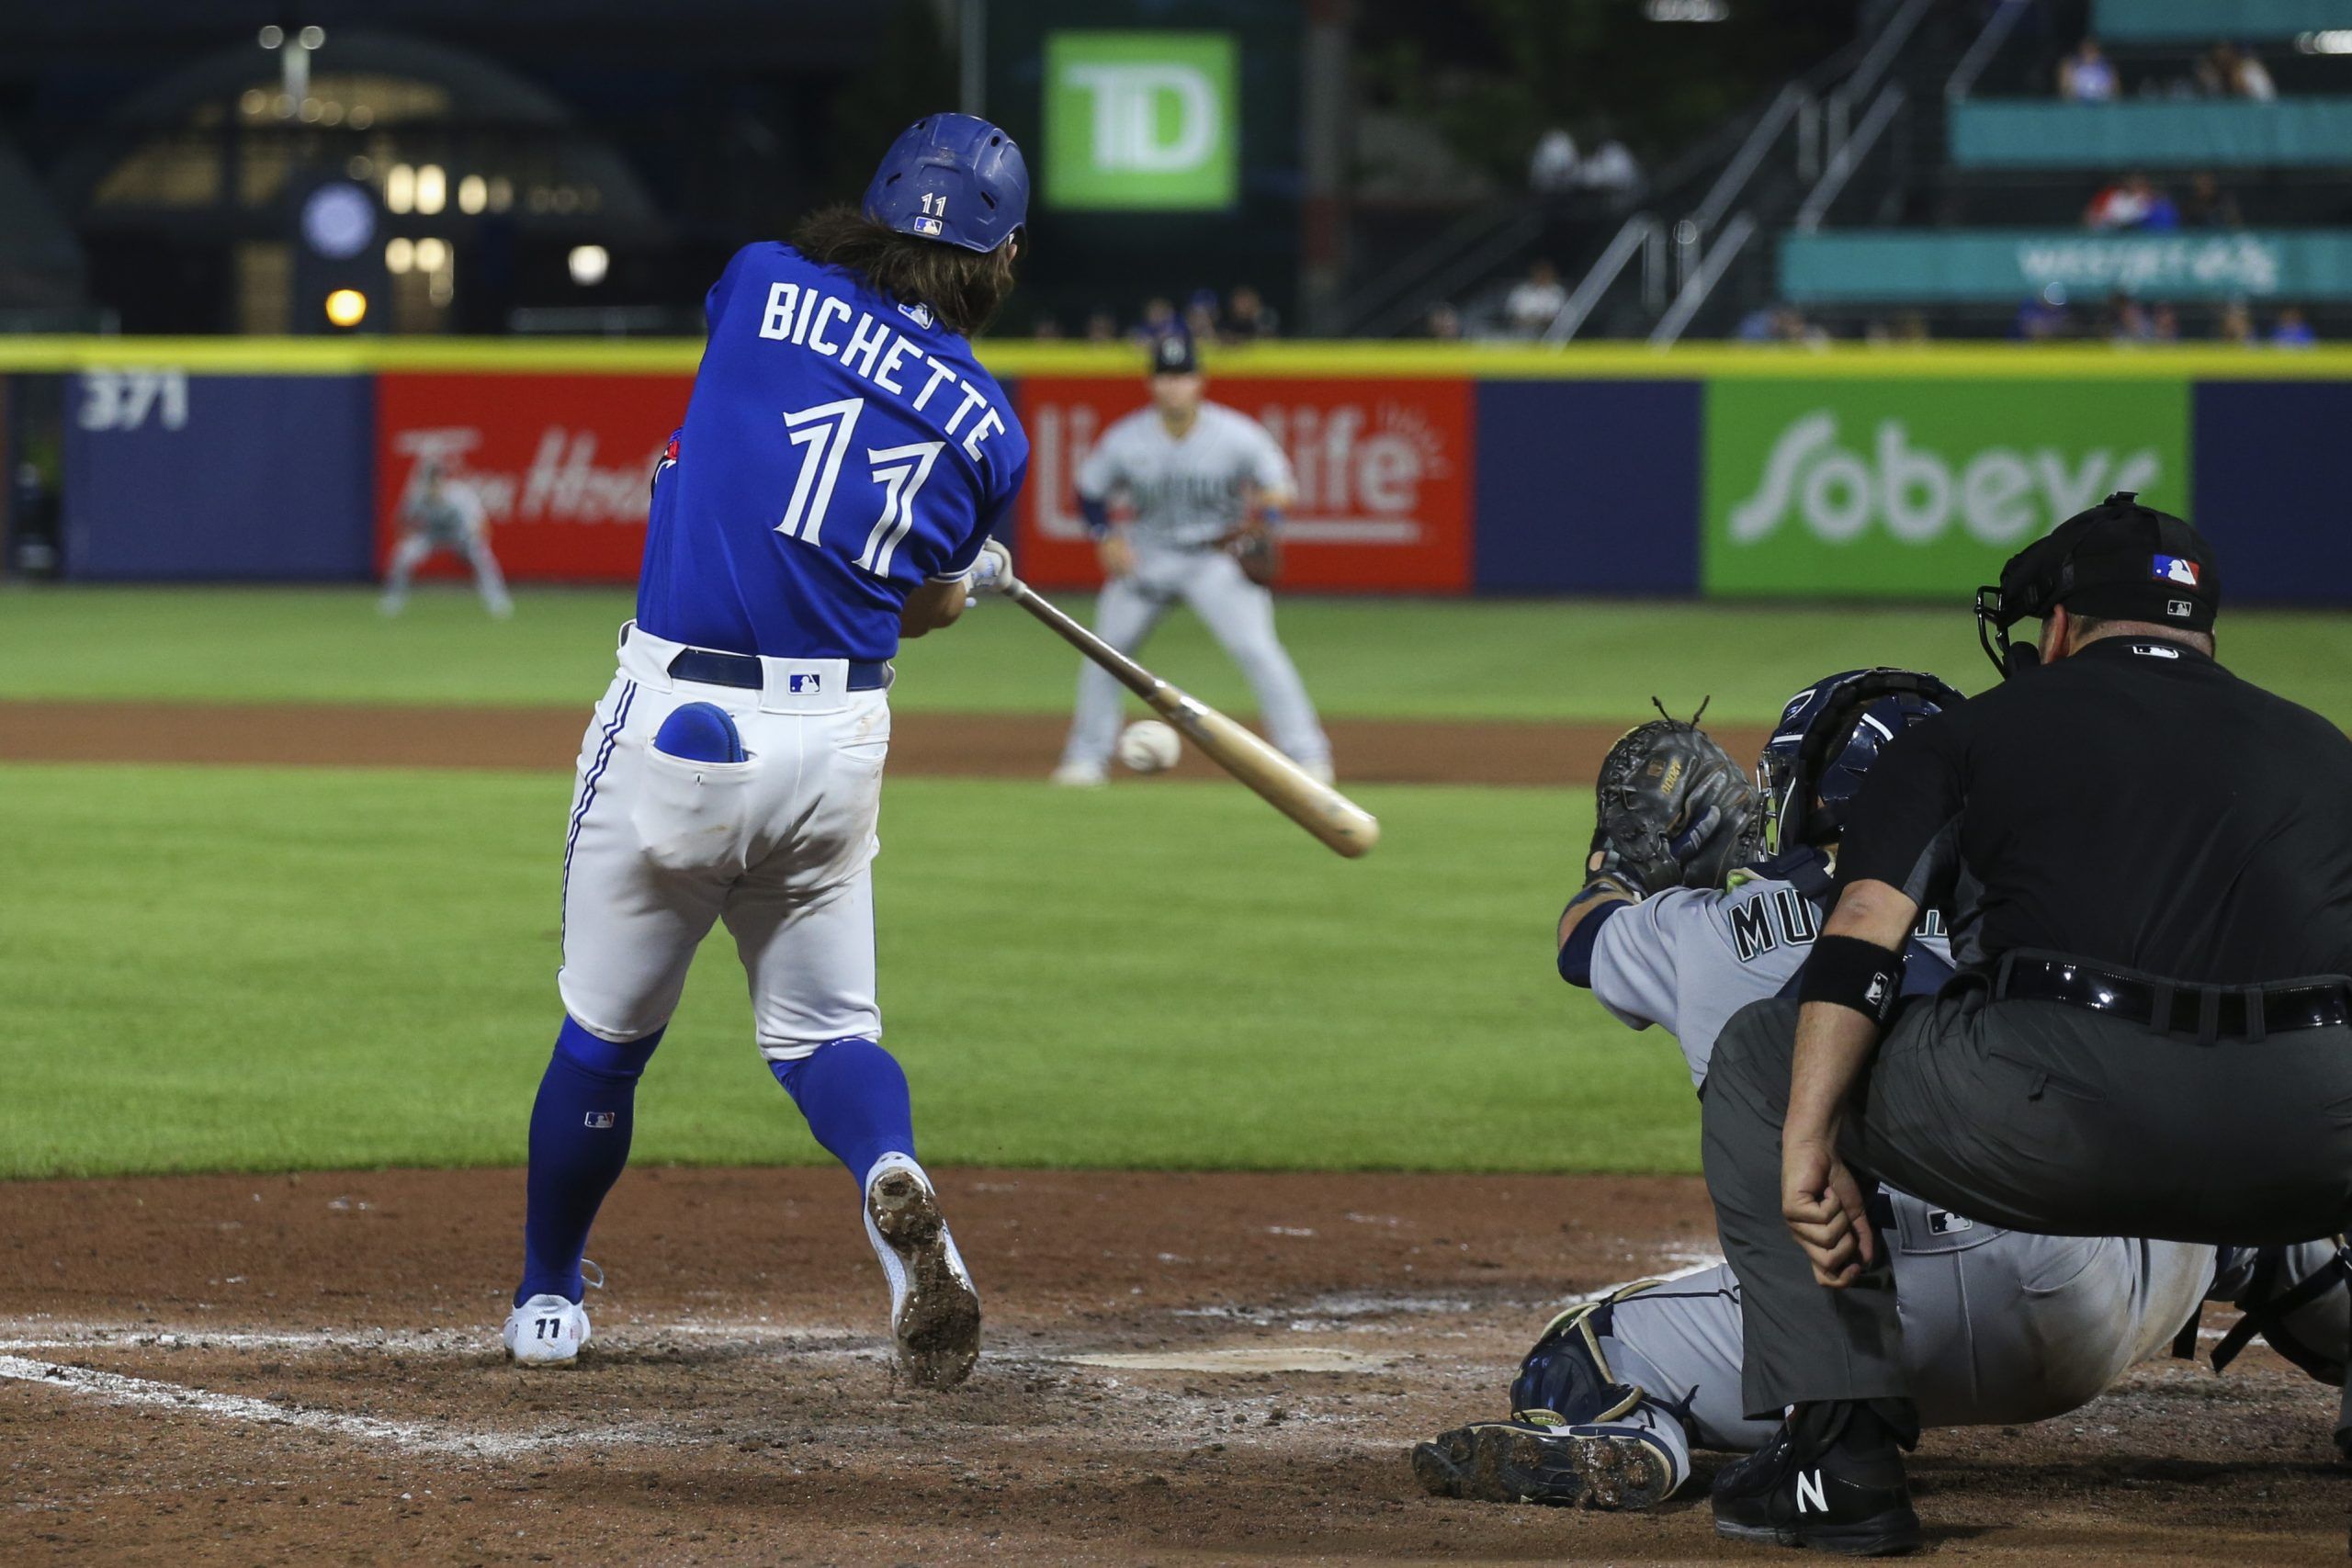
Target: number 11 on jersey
(824, 434)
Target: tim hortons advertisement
(561, 463)
(1384, 472)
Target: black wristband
(1847, 972)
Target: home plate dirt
(1179, 1369)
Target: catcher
(1999, 1328)
(1207, 485)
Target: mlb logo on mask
(806, 685)
(2177, 569)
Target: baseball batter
(1207, 485)
(442, 514)
(843, 460)
(1999, 1328)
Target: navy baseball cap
(1172, 355)
(2119, 561)
(952, 177)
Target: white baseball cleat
(1080, 775)
(934, 1310)
(545, 1331)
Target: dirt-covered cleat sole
(546, 1332)
(1868, 1538)
(1610, 1468)
(934, 1310)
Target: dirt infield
(964, 745)
(1179, 1369)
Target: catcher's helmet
(951, 177)
(1826, 739)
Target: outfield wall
(1430, 469)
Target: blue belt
(713, 667)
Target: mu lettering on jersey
(839, 448)
(1778, 916)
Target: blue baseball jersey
(839, 448)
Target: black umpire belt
(2203, 1012)
(713, 667)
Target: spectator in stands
(2087, 77)
(1444, 323)
(1248, 317)
(2128, 323)
(2164, 325)
(2131, 202)
(1552, 171)
(1158, 319)
(2228, 72)
(1101, 326)
(1610, 168)
(2237, 324)
(1201, 316)
(2208, 206)
(1048, 329)
(1905, 327)
(1535, 299)
(2044, 318)
(2291, 330)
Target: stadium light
(589, 265)
(473, 195)
(1687, 10)
(2334, 40)
(400, 188)
(400, 254)
(346, 308)
(432, 189)
(432, 254)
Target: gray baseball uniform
(1187, 493)
(447, 516)
(1999, 1326)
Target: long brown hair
(962, 288)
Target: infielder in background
(443, 514)
(1999, 1328)
(843, 460)
(1207, 485)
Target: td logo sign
(1920, 488)
(1140, 120)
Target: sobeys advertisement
(1907, 488)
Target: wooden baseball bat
(1342, 825)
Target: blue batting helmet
(1826, 739)
(954, 179)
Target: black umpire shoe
(1831, 1478)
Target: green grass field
(1541, 659)
(262, 968)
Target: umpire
(2146, 865)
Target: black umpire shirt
(2133, 803)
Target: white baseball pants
(779, 846)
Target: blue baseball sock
(854, 1096)
(580, 1134)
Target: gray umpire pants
(1239, 615)
(2027, 1114)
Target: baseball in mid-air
(1149, 747)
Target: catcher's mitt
(1260, 553)
(1671, 810)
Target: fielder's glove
(1671, 810)
(1260, 553)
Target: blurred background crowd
(2134, 170)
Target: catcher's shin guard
(1579, 1436)
(1565, 1377)
(2298, 1300)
